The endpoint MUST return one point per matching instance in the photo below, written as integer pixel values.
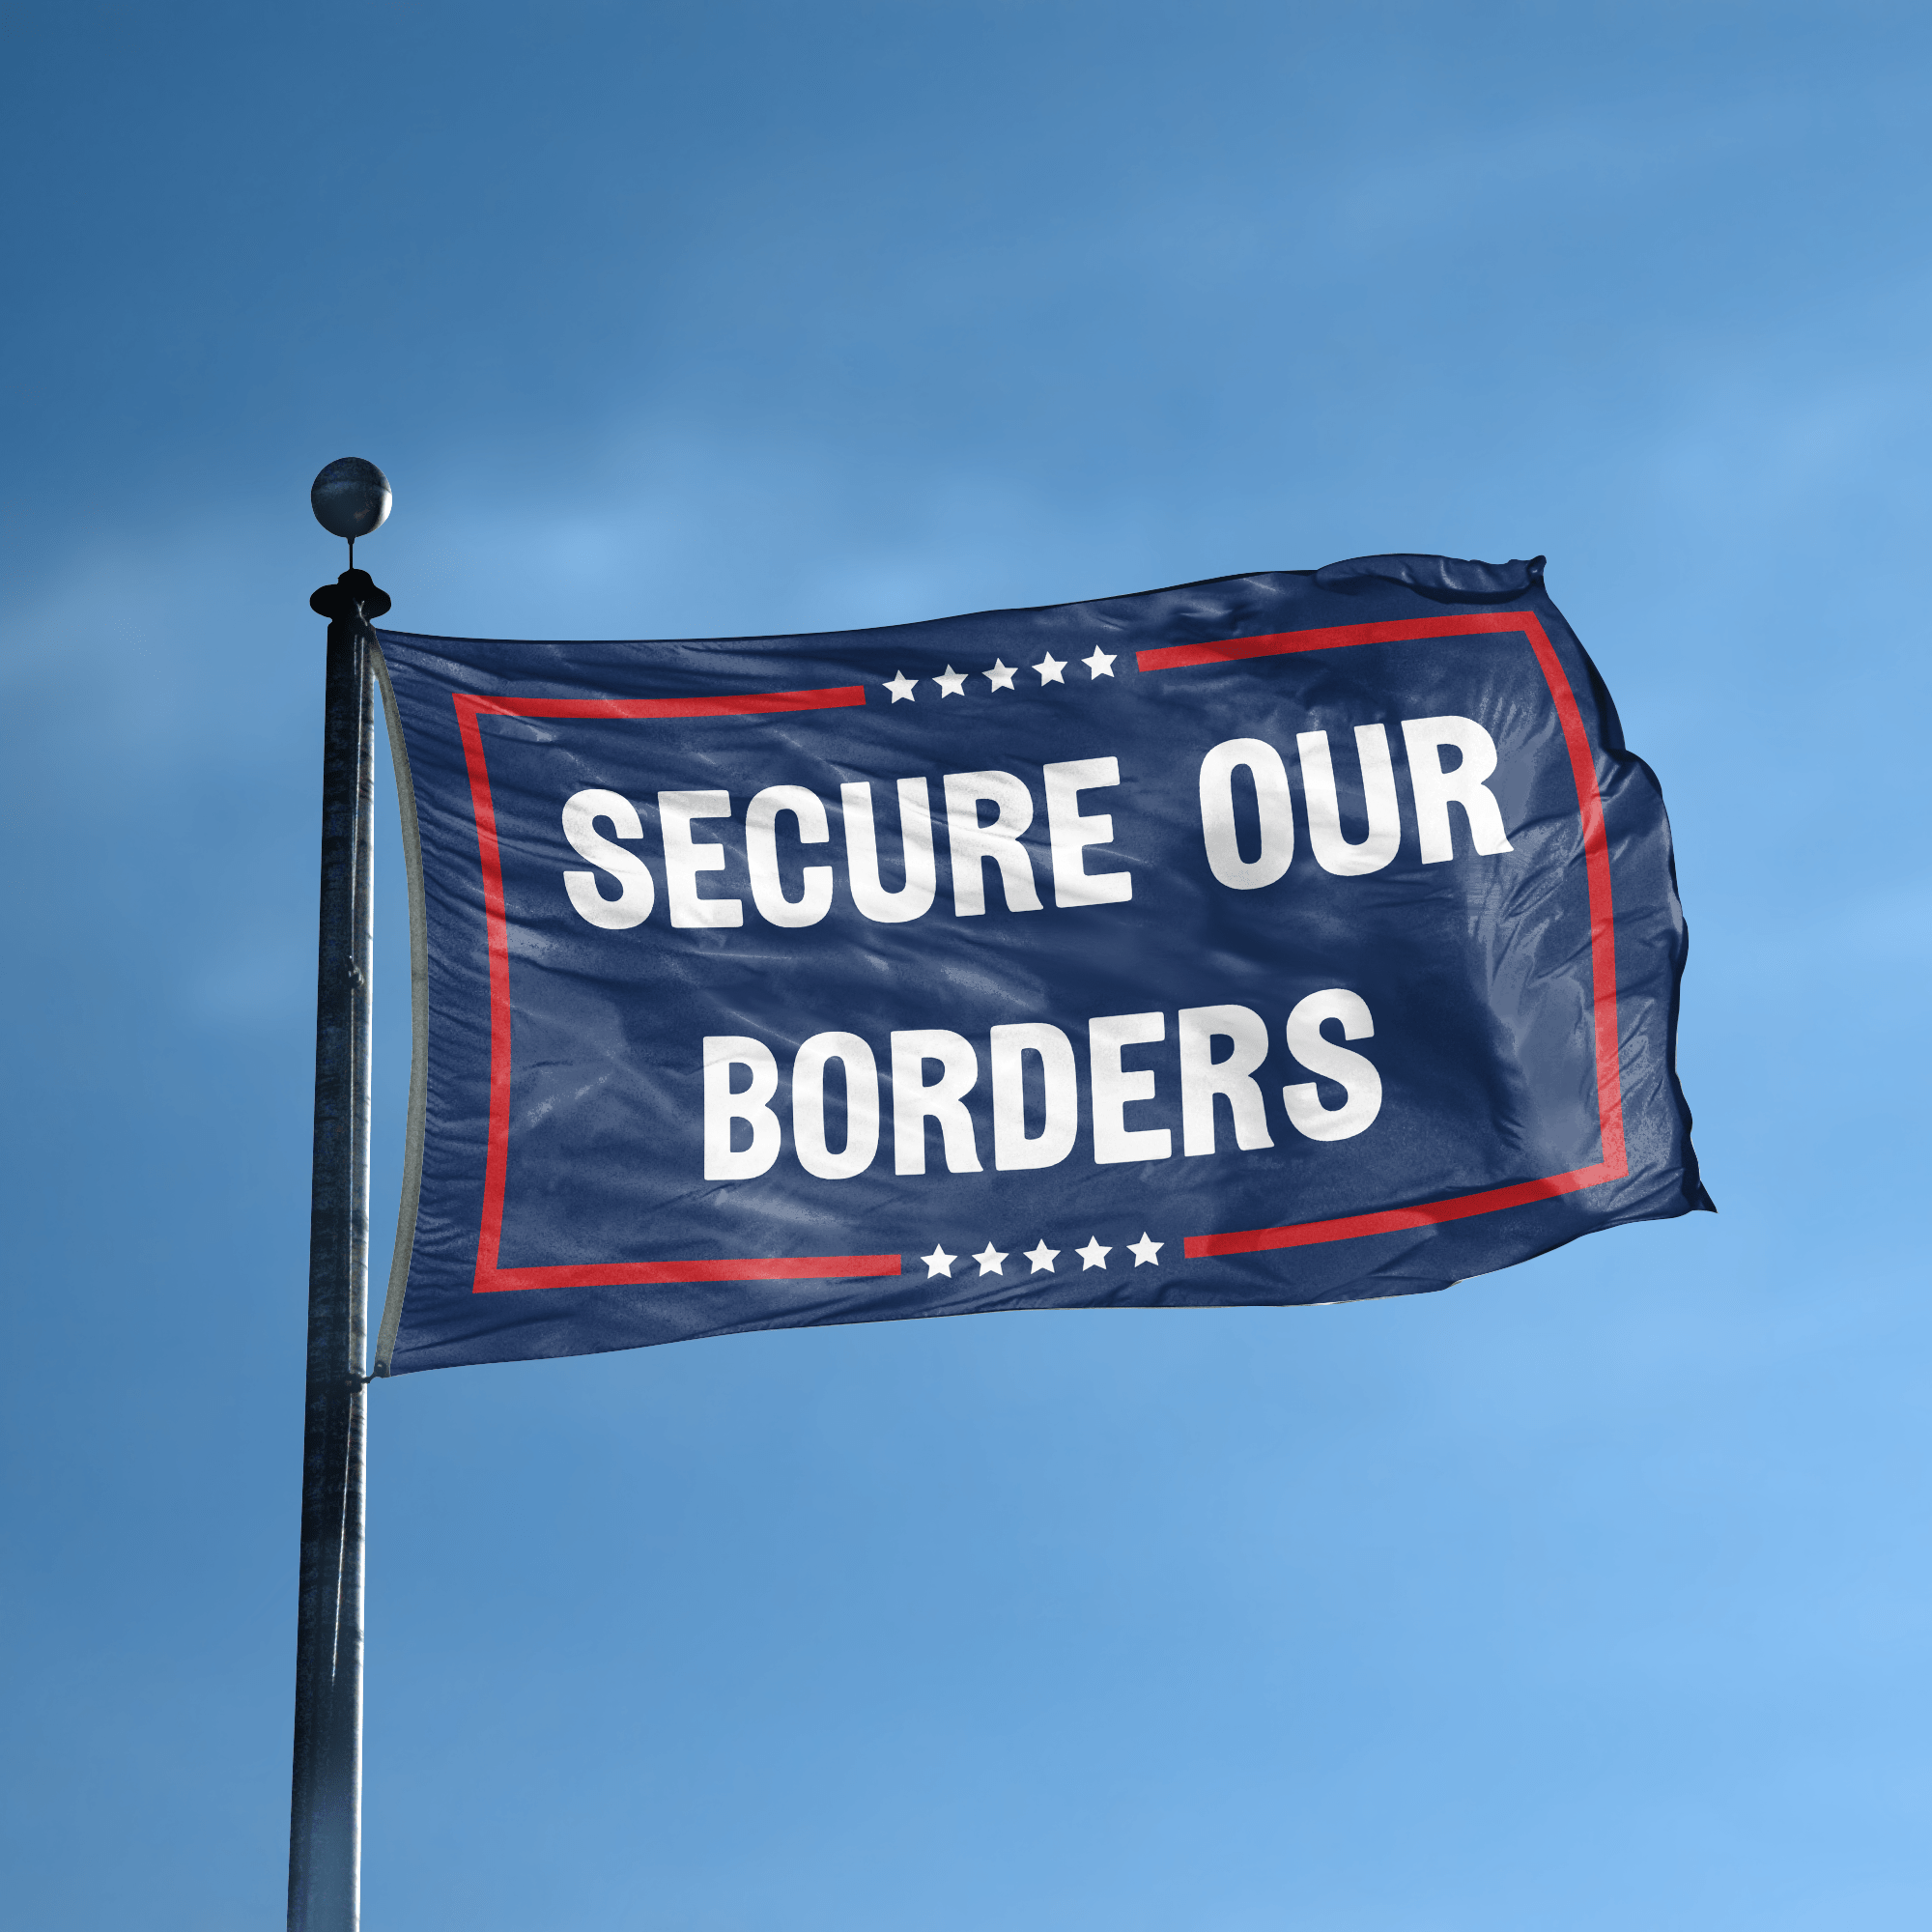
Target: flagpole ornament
(350, 499)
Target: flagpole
(325, 1806)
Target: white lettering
(972, 844)
(722, 1108)
(1203, 1076)
(862, 853)
(862, 1105)
(1060, 1082)
(761, 856)
(1114, 1087)
(1050, 1102)
(914, 1102)
(1361, 1085)
(1437, 791)
(685, 858)
(633, 904)
(1351, 859)
(1217, 813)
(1069, 831)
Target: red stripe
(637, 1274)
(1602, 915)
(832, 698)
(1277, 644)
(1392, 1220)
(497, 930)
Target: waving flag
(1299, 937)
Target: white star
(1042, 1258)
(1145, 1250)
(1000, 676)
(952, 684)
(1093, 1255)
(1100, 664)
(900, 686)
(991, 1261)
(1049, 669)
(938, 1262)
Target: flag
(1307, 936)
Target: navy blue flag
(1301, 937)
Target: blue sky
(1589, 1595)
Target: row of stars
(1145, 1253)
(951, 683)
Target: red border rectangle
(1614, 1166)
(1615, 1163)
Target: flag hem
(412, 1138)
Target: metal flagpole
(350, 499)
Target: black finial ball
(350, 498)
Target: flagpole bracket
(353, 598)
